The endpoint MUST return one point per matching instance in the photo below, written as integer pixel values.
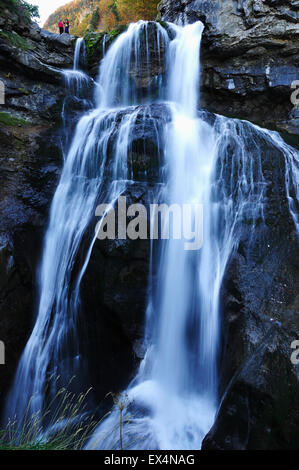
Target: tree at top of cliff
(139, 9)
(21, 7)
(32, 9)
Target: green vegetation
(22, 8)
(25, 91)
(69, 427)
(15, 40)
(32, 10)
(9, 120)
(94, 42)
(95, 20)
(68, 424)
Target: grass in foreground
(68, 425)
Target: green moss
(163, 24)
(25, 91)
(15, 40)
(117, 31)
(94, 43)
(9, 120)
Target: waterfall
(80, 53)
(77, 99)
(75, 78)
(128, 60)
(52, 354)
(210, 162)
(172, 402)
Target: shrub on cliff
(31, 12)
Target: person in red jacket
(60, 26)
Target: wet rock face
(259, 385)
(114, 295)
(259, 410)
(30, 163)
(28, 177)
(249, 57)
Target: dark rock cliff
(249, 57)
(30, 162)
(259, 385)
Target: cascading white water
(80, 53)
(171, 403)
(52, 350)
(77, 97)
(174, 396)
(128, 59)
(75, 78)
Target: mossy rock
(16, 40)
(10, 120)
(94, 43)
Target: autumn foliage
(102, 15)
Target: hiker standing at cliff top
(60, 26)
(66, 26)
